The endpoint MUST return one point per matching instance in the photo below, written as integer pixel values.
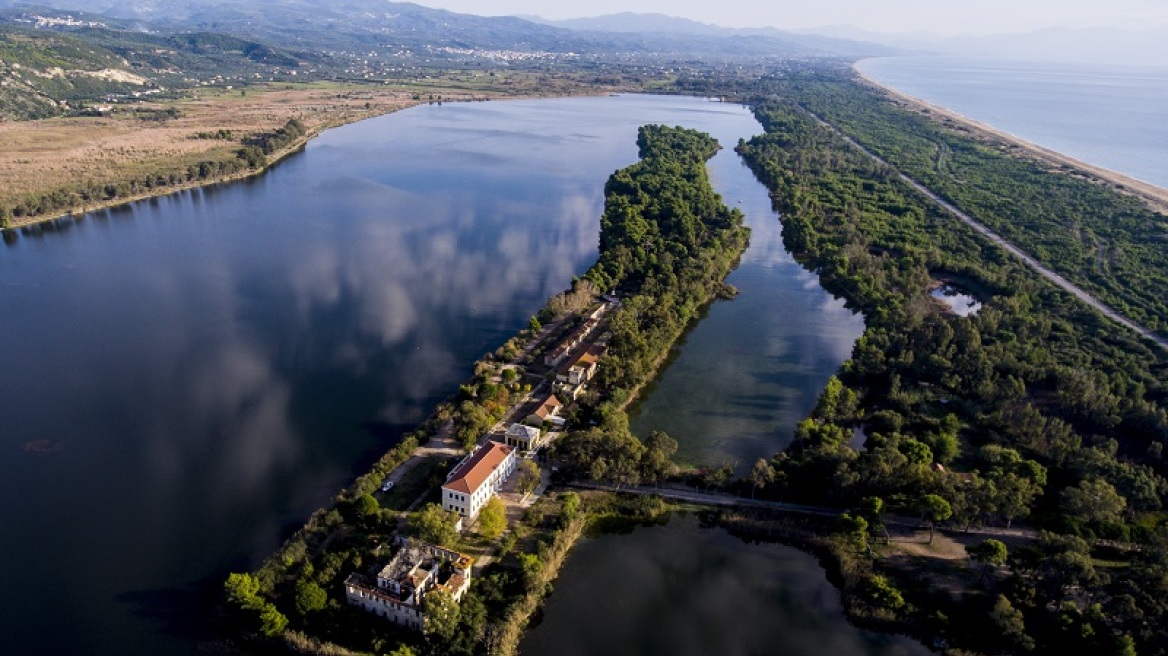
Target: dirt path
(1153, 195)
(1042, 270)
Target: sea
(1105, 115)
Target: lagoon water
(186, 379)
(684, 590)
(1103, 115)
(753, 368)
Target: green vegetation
(248, 611)
(667, 243)
(1110, 244)
(493, 518)
(52, 73)
(1040, 408)
(38, 73)
(434, 525)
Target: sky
(942, 17)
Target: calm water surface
(754, 366)
(959, 302)
(185, 379)
(1108, 116)
(682, 590)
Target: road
(721, 499)
(1042, 270)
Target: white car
(387, 486)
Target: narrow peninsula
(438, 555)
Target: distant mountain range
(61, 56)
(355, 25)
(1094, 45)
(1102, 45)
(672, 26)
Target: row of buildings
(417, 569)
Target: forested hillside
(45, 73)
(40, 74)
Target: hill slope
(354, 25)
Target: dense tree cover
(434, 525)
(1109, 243)
(247, 609)
(667, 241)
(493, 518)
(526, 476)
(1040, 409)
(611, 454)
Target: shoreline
(1153, 195)
(312, 539)
(273, 159)
(19, 223)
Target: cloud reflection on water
(212, 361)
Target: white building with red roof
(477, 478)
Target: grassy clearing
(418, 480)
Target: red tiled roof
(471, 474)
(549, 407)
(591, 355)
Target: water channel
(186, 379)
(753, 367)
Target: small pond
(959, 301)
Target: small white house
(522, 437)
(548, 411)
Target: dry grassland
(64, 153)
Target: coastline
(341, 118)
(273, 159)
(1153, 195)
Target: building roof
(560, 351)
(591, 355)
(548, 407)
(524, 432)
(473, 471)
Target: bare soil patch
(41, 156)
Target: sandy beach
(1155, 196)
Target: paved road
(1050, 275)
